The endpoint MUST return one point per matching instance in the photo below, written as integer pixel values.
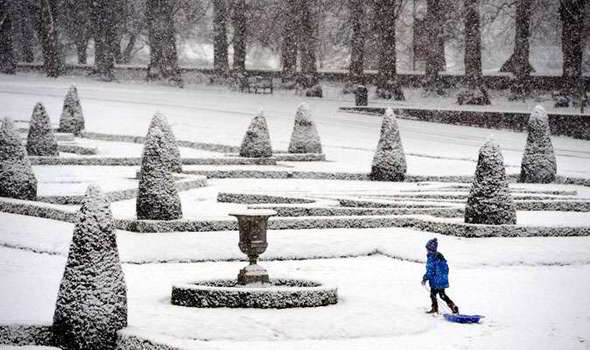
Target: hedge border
(136, 161)
(496, 80)
(26, 334)
(115, 196)
(318, 175)
(573, 125)
(292, 157)
(203, 295)
(77, 149)
(212, 147)
(247, 198)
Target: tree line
(294, 29)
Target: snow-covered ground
(533, 291)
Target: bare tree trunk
(103, 19)
(162, 37)
(358, 19)
(472, 58)
(386, 13)
(435, 61)
(309, 37)
(24, 33)
(290, 33)
(240, 32)
(572, 21)
(45, 24)
(518, 62)
(220, 60)
(7, 55)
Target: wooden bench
(257, 84)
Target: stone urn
(252, 226)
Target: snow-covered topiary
(489, 201)
(256, 142)
(538, 161)
(41, 141)
(389, 162)
(157, 198)
(92, 299)
(305, 137)
(72, 119)
(16, 175)
(170, 150)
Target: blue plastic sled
(463, 318)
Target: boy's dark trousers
(443, 296)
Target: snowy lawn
(202, 114)
(547, 307)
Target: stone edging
(285, 293)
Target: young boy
(437, 275)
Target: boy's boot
(433, 309)
(454, 308)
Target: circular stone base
(279, 294)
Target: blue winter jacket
(437, 271)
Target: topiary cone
(72, 118)
(16, 174)
(256, 142)
(305, 137)
(538, 161)
(157, 198)
(92, 299)
(41, 141)
(389, 161)
(489, 201)
(170, 150)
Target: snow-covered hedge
(389, 162)
(92, 298)
(289, 157)
(157, 198)
(247, 198)
(169, 148)
(256, 142)
(77, 149)
(538, 161)
(72, 118)
(212, 147)
(131, 161)
(21, 335)
(296, 211)
(35, 209)
(133, 342)
(41, 141)
(120, 195)
(490, 201)
(16, 175)
(284, 293)
(305, 137)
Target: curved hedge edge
(127, 341)
(275, 297)
(292, 157)
(24, 334)
(36, 209)
(136, 161)
(212, 147)
(246, 198)
(77, 149)
(115, 196)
